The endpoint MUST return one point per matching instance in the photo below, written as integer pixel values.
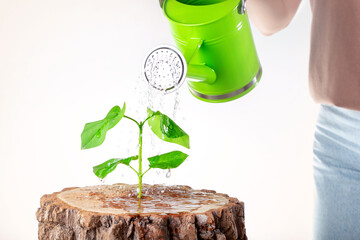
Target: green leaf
(168, 160)
(170, 128)
(166, 129)
(107, 167)
(94, 133)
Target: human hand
(161, 3)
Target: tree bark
(110, 212)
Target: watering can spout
(201, 74)
(198, 71)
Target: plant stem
(140, 175)
(132, 120)
(134, 170)
(148, 118)
(146, 171)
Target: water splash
(168, 174)
(102, 181)
(176, 104)
(143, 96)
(158, 199)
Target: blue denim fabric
(337, 174)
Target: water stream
(142, 97)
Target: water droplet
(102, 180)
(176, 104)
(168, 174)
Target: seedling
(162, 126)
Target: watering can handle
(241, 7)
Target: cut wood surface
(109, 212)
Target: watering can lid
(194, 14)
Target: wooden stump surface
(109, 212)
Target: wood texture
(75, 214)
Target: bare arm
(271, 16)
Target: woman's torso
(335, 53)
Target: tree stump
(109, 212)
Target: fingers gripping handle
(161, 2)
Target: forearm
(271, 16)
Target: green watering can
(215, 38)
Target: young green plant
(162, 126)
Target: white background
(65, 63)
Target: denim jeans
(337, 174)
